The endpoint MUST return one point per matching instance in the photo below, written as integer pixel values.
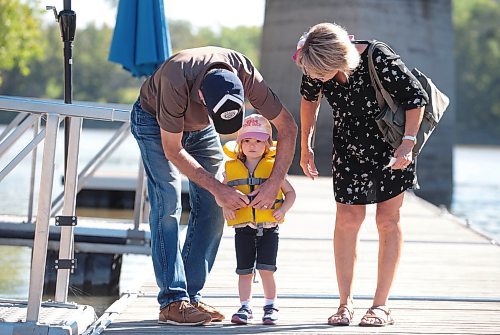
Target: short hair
(326, 48)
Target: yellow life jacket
(238, 176)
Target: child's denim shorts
(256, 251)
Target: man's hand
(265, 195)
(230, 198)
(307, 163)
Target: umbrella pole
(67, 23)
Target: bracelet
(411, 138)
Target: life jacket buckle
(260, 230)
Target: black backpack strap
(383, 97)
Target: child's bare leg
(270, 311)
(245, 287)
(268, 284)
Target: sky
(200, 13)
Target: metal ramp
(54, 318)
(44, 229)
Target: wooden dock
(448, 281)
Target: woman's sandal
(377, 316)
(343, 317)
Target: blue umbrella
(141, 40)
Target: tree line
(31, 60)
(94, 77)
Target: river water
(476, 197)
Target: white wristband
(411, 138)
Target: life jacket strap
(246, 181)
(277, 201)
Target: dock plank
(448, 281)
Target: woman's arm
(308, 114)
(404, 88)
(403, 153)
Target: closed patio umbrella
(141, 40)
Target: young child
(256, 230)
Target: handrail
(35, 106)
(54, 112)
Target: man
(170, 122)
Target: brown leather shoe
(215, 314)
(182, 313)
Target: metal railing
(31, 111)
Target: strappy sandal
(343, 317)
(377, 316)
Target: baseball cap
(255, 126)
(225, 100)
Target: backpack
(391, 119)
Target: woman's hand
(307, 163)
(403, 155)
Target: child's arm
(289, 193)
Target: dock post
(66, 245)
(42, 220)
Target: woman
(337, 68)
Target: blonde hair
(327, 48)
(242, 157)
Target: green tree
(96, 78)
(243, 39)
(477, 54)
(19, 35)
(45, 78)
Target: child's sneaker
(270, 315)
(242, 316)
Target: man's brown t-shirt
(171, 93)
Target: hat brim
(251, 134)
(231, 126)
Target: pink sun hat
(255, 126)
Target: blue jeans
(180, 273)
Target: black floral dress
(360, 152)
